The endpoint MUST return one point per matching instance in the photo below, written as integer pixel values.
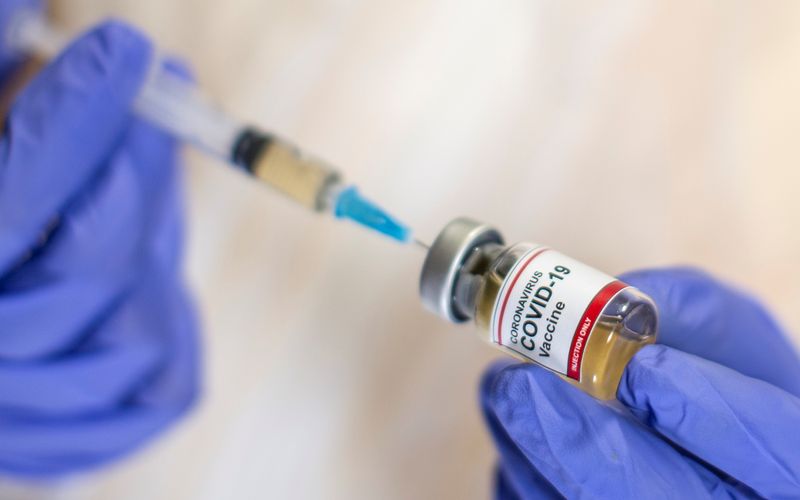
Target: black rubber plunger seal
(248, 148)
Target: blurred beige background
(625, 133)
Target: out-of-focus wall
(626, 133)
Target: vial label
(547, 307)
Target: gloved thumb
(743, 426)
(60, 129)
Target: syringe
(178, 107)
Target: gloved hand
(711, 412)
(98, 345)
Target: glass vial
(538, 305)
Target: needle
(422, 245)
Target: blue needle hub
(351, 205)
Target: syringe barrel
(172, 102)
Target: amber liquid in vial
(612, 341)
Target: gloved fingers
(159, 313)
(10, 56)
(48, 321)
(127, 343)
(130, 344)
(701, 316)
(504, 490)
(152, 392)
(62, 127)
(76, 384)
(545, 427)
(130, 214)
(159, 172)
(743, 426)
(517, 473)
(43, 448)
(81, 273)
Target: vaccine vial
(538, 305)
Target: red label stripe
(587, 322)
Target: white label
(547, 307)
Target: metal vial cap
(445, 258)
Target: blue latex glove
(98, 347)
(712, 412)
